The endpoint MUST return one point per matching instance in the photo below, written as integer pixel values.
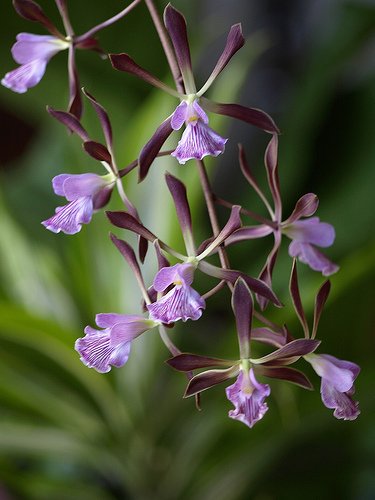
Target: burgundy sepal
(208, 379)
(152, 148)
(70, 121)
(285, 373)
(254, 116)
(126, 221)
(33, 12)
(97, 151)
(186, 362)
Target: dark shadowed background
(66, 431)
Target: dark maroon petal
(176, 26)
(123, 62)
(70, 121)
(162, 260)
(152, 148)
(295, 348)
(127, 252)
(246, 170)
(208, 379)
(249, 233)
(296, 298)
(233, 223)
(320, 301)
(285, 373)
(235, 41)
(254, 116)
(242, 305)
(267, 271)
(75, 99)
(127, 221)
(103, 117)
(271, 163)
(142, 248)
(257, 286)
(305, 207)
(33, 12)
(97, 151)
(178, 192)
(186, 362)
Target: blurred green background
(66, 431)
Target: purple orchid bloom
(247, 396)
(33, 53)
(101, 349)
(86, 193)
(307, 233)
(182, 301)
(198, 140)
(337, 386)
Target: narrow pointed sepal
(285, 373)
(153, 146)
(208, 379)
(186, 362)
(253, 116)
(294, 349)
(31, 11)
(126, 221)
(70, 122)
(235, 41)
(176, 26)
(242, 305)
(178, 192)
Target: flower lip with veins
(182, 302)
(248, 397)
(198, 139)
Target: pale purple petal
(309, 255)
(337, 385)
(107, 320)
(25, 77)
(198, 141)
(179, 115)
(58, 184)
(30, 47)
(181, 303)
(338, 373)
(69, 218)
(126, 332)
(199, 111)
(247, 396)
(345, 407)
(97, 352)
(312, 231)
(80, 185)
(177, 274)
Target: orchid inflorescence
(171, 297)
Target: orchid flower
(101, 349)
(247, 394)
(85, 193)
(198, 139)
(33, 52)
(337, 387)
